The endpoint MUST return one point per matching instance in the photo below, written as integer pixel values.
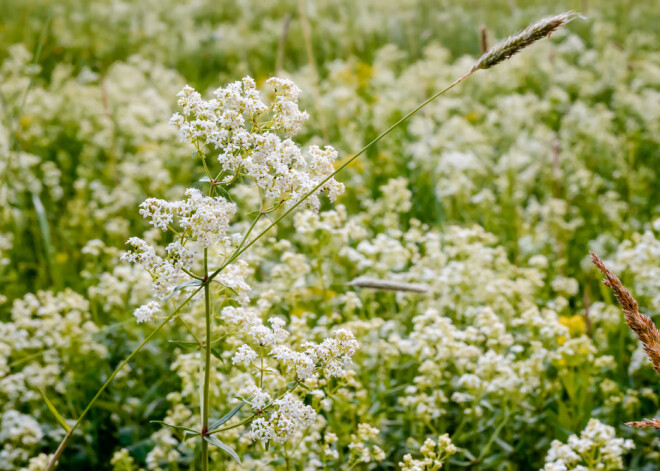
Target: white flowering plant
(253, 144)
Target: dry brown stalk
(483, 39)
(642, 325)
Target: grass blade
(225, 418)
(51, 407)
(214, 441)
(44, 229)
(175, 427)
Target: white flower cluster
(165, 273)
(362, 449)
(205, 219)
(434, 454)
(596, 448)
(18, 432)
(244, 130)
(280, 419)
(263, 335)
(244, 356)
(639, 260)
(57, 325)
(169, 272)
(147, 312)
(233, 278)
(241, 316)
(289, 416)
(330, 356)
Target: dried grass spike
(387, 285)
(642, 325)
(655, 423)
(514, 44)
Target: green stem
(67, 437)
(261, 370)
(207, 367)
(189, 330)
(206, 169)
(191, 274)
(247, 234)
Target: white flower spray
(252, 142)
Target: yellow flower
(576, 324)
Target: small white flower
(147, 312)
(258, 397)
(265, 336)
(244, 356)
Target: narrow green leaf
(374, 407)
(504, 445)
(44, 229)
(225, 418)
(291, 385)
(51, 407)
(214, 441)
(467, 453)
(216, 354)
(188, 284)
(175, 427)
(224, 193)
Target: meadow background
(492, 196)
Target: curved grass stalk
(232, 258)
(242, 249)
(495, 55)
(237, 253)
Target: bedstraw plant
(243, 135)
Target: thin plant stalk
(207, 365)
(281, 44)
(641, 325)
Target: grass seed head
(514, 44)
(642, 325)
(655, 423)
